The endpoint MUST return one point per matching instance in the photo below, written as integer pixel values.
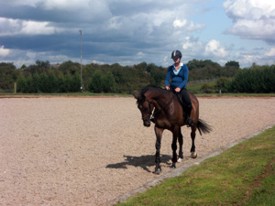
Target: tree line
(42, 77)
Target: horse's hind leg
(193, 147)
(180, 140)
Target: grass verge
(242, 175)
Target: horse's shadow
(143, 161)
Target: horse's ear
(136, 94)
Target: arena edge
(242, 175)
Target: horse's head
(145, 106)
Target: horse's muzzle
(146, 123)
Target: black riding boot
(188, 120)
(187, 105)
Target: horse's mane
(146, 88)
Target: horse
(163, 108)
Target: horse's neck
(156, 95)
(163, 99)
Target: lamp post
(81, 80)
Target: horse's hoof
(157, 171)
(194, 155)
(179, 160)
(173, 165)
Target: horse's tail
(203, 127)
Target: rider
(176, 79)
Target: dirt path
(91, 151)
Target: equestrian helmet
(176, 54)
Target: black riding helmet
(176, 54)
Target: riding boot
(188, 120)
(187, 105)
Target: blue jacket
(177, 78)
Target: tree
(203, 69)
(43, 64)
(255, 80)
(232, 64)
(69, 67)
(223, 84)
(157, 74)
(102, 82)
(7, 76)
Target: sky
(130, 32)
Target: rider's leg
(187, 105)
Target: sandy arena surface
(93, 151)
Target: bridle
(147, 113)
(154, 107)
(152, 113)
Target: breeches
(184, 99)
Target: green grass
(243, 175)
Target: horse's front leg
(193, 147)
(176, 133)
(158, 132)
(180, 140)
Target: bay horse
(168, 113)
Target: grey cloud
(114, 31)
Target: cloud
(120, 31)
(252, 19)
(187, 44)
(69, 6)
(64, 5)
(4, 52)
(187, 25)
(28, 57)
(178, 23)
(270, 53)
(130, 32)
(249, 9)
(192, 47)
(23, 27)
(213, 47)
